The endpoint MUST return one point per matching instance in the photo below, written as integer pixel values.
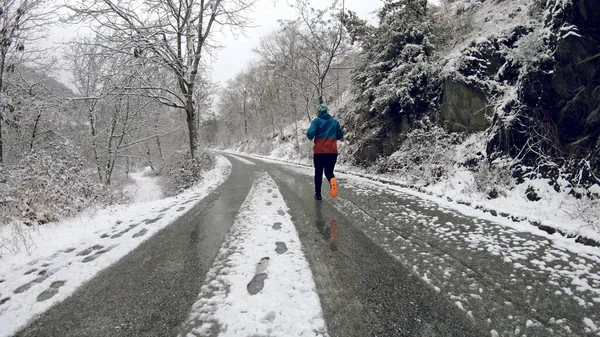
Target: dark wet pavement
(150, 291)
(504, 281)
(363, 290)
(384, 263)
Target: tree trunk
(245, 120)
(109, 148)
(308, 109)
(94, 145)
(34, 134)
(2, 105)
(149, 155)
(192, 132)
(190, 112)
(160, 151)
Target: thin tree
(171, 34)
(322, 33)
(22, 22)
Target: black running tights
(326, 162)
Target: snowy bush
(183, 172)
(49, 184)
(493, 179)
(425, 156)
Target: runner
(326, 131)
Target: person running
(326, 131)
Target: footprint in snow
(97, 254)
(26, 286)
(140, 233)
(51, 291)
(281, 247)
(151, 221)
(89, 250)
(30, 271)
(269, 318)
(4, 300)
(165, 209)
(280, 212)
(277, 226)
(118, 235)
(269, 203)
(258, 281)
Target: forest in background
(141, 90)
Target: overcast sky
(237, 51)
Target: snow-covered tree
(173, 35)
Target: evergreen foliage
(397, 73)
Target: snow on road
(260, 283)
(503, 274)
(245, 161)
(68, 254)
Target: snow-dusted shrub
(182, 172)
(49, 184)
(425, 156)
(493, 179)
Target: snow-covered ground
(67, 254)
(260, 283)
(145, 188)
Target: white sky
(237, 51)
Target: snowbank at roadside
(260, 283)
(65, 255)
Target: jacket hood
(324, 115)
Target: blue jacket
(326, 131)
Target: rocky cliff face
(534, 89)
(560, 101)
(464, 107)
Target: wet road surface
(385, 264)
(149, 291)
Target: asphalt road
(149, 291)
(367, 284)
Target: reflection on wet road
(328, 228)
(503, 281)
(364, 291)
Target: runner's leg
(318, 161)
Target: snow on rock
(591, 327)
(66, 255)
(260, 283)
